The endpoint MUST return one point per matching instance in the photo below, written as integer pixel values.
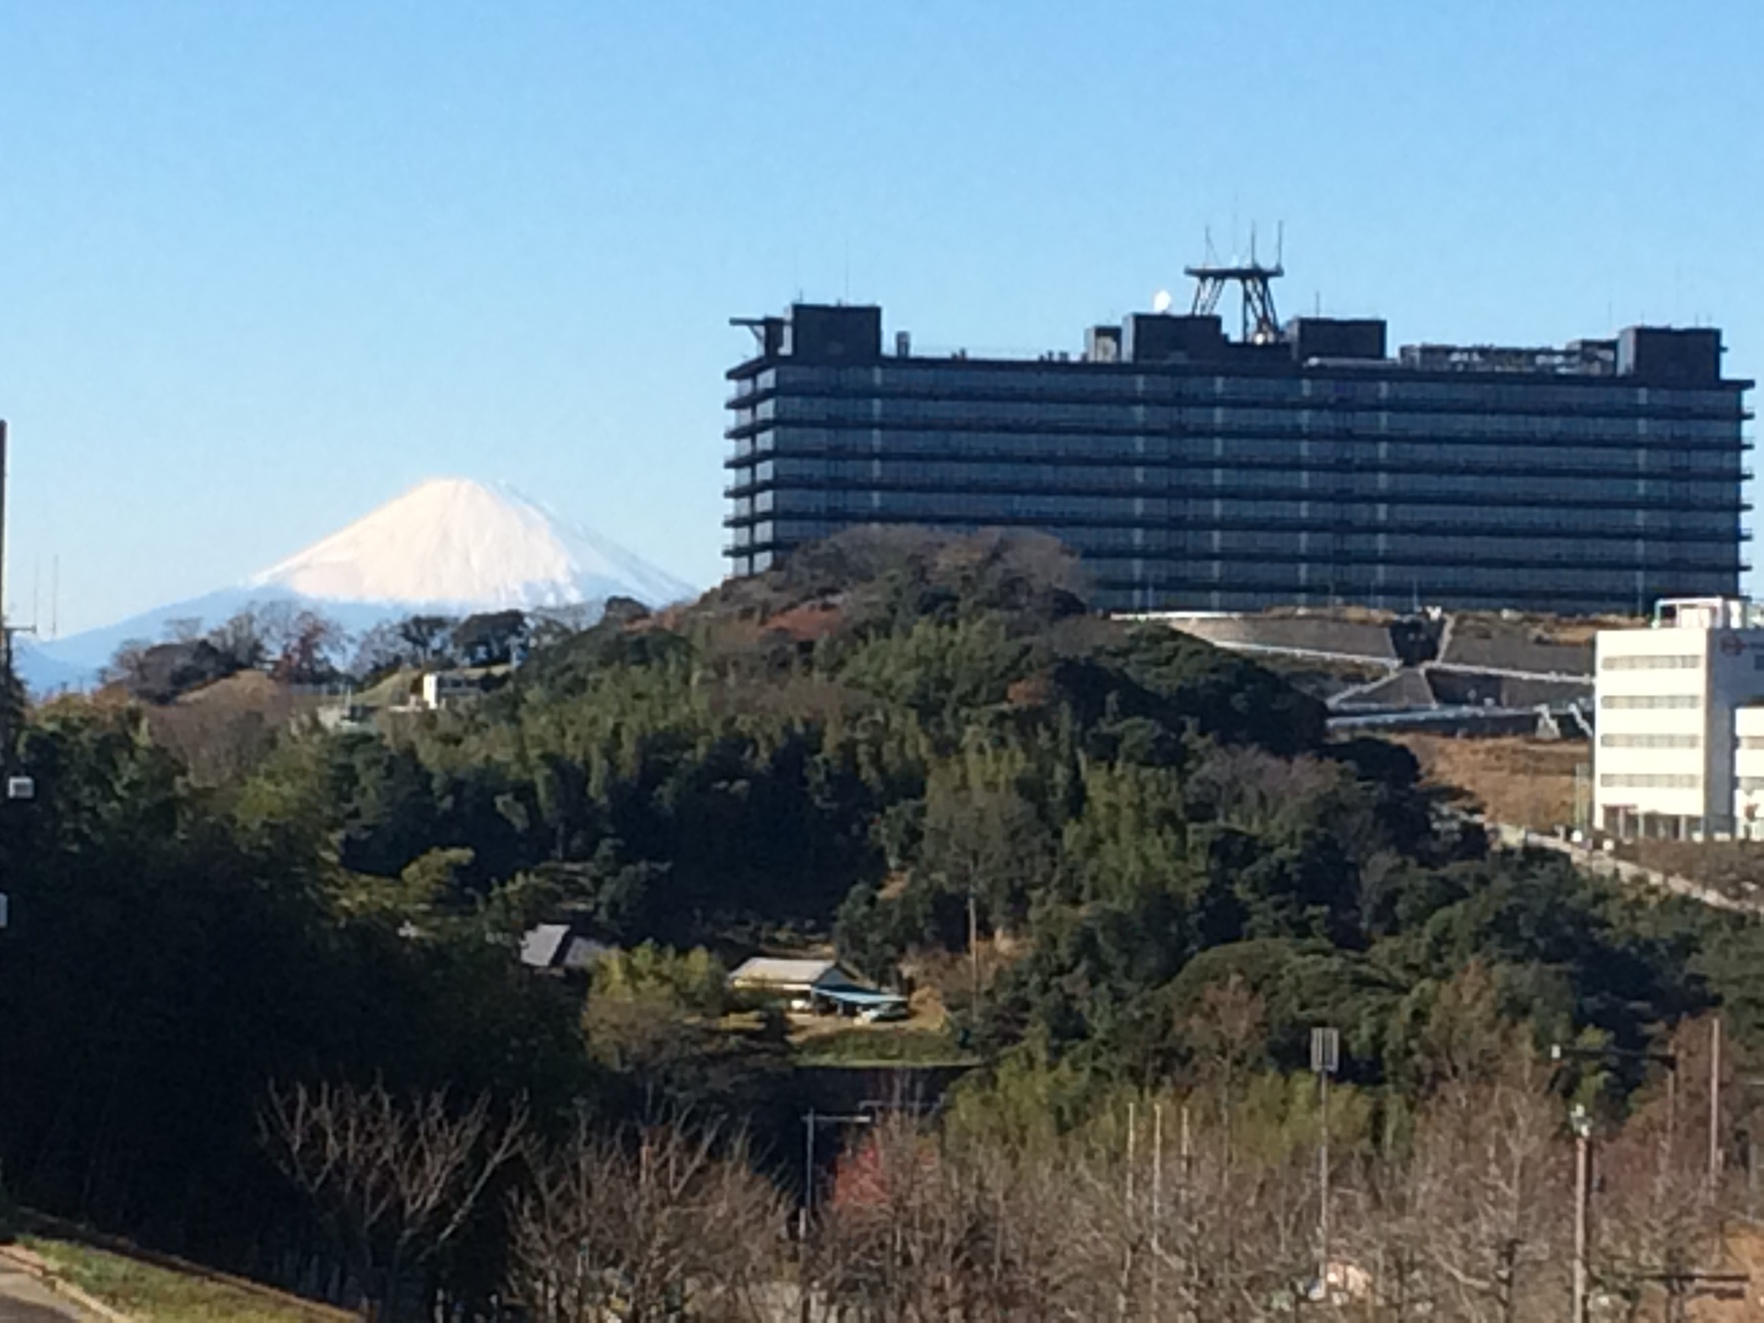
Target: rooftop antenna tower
(1255, 282)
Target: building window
(1618, 701)
(1653, 741)
(1652, 663)
(1651, 781)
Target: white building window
(1655, 741)
(1650, 663)
(1649, 781)
(1651, 701)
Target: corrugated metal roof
(778, 972)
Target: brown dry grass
(1527, 782)
(1742, 1251)
(221, 729)
(1734, 868)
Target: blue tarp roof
(861, 996)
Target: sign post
(1325, 1061)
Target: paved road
(24, 1300)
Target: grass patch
(1734, 868)
(883, 1047)
(1525, 782)
(160, 1295)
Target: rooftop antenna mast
(1255, 282)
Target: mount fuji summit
(449, 546)
(464, 546)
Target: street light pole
(1323, 1181)
(1325, 1061)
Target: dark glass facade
(1193, 472)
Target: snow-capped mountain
(453, 542)
(448, 546)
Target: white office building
(1680, 722)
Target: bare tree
(1226, 1031)
(1459, 1213)
(1484, 1198)
(661, 1223)
(395, 1179)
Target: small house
(822, 986)
(561, 948)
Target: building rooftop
(1708, 613)
(560, 946)
(836, 334)
(780, 972)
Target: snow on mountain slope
(449, 546)
(451, 541)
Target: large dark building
(1293, 465)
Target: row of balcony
(1321, 495)
(1325, 404)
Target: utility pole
(1670, 1144)
(1132, 1131)
(974, 955)
(808, 1172)
(1714, 1108)
(1582, 1124)
(1157, 1210)
(1129, 1221)
(1185, 1149)
(1325, 1061)
(1508, 1274)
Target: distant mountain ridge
(448, 546)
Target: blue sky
(266, 263)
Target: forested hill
(1169, 863)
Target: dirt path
(23, 1299)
